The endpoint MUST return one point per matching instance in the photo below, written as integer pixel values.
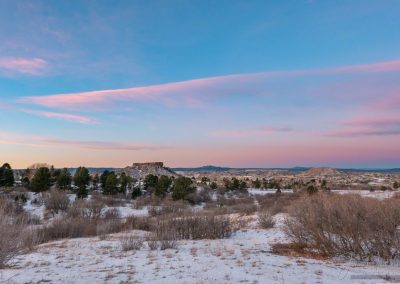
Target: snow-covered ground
(379, 194)
(245, 257)
(259, 191)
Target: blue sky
(237, 83)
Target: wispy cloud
(197, 92)
(57, 115)
(26, 66)
(248, 132)
(40, 141)
(64, 116)
(380, 126)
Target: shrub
(15, 237)
(347, 225)
(311, 189)
(194, 227)
(137, 223)
(277, 203)
(130, 242)
(168, 244)
(266, 220)
(152, 243)
(87, 209)
(56, 201)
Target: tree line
(44, 177)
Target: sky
(191, 83)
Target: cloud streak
(197, 92)
(64, 116)
(39, 141)
(25, 66)
(248, 132)
(380, 126)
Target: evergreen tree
(81, 180)
(162, 187)
(6, 175)
(64, 179)
(256, 183)
(41, 181)
(103, 178)
(150, 181)
(213, 185)
(125, 182)
(136, 192)
(111, 186)
(183, 186)
(96, 181)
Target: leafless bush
(168, 207)
(265, 220)
(168, 244)
(235, 203)
(348, 225)
(130, 242)
(112, 213)
(192, 227)
(148, 200)
(108, 200)
(14, 232)
(154, 211)
(152, 242)
(56, 200)
(86, 209)
(137, 223)
(277, 203)
(79, 227)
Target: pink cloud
(377, 126)
(248, 132)
(194, 93)
(28, 66)
(40, 141)
(64, 116)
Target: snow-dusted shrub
(277, 203)
(192, 227)
(137, 223)
(86, 209)
(130, 242)
(56, 200)
(14, 232)
(152, 242)
(168, 244)
(347, 225)
(265, 220)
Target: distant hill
(321, 172)
(208, 168)
(140, 170)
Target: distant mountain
(388, 171)
(208, 168)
